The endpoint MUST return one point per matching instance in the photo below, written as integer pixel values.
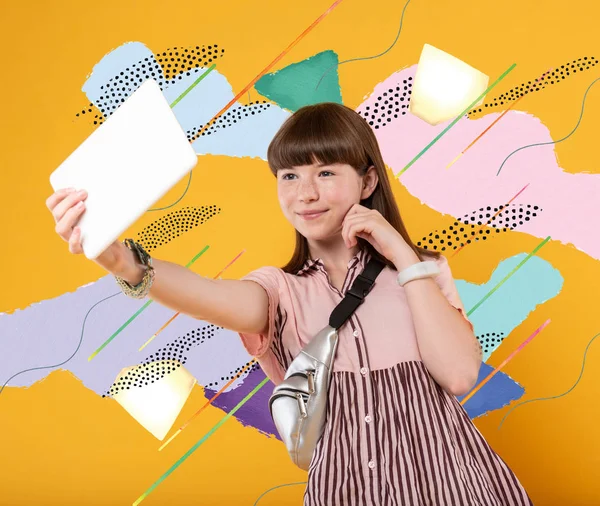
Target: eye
(327, 172)
(285, 178)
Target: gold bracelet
(142, 289)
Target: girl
(395, 432)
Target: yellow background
(62, 444)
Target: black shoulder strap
(356, 294)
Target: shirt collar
(362, 257)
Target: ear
(370, 180)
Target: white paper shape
(444, 86)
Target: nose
(307, 190)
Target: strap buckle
(361, 287)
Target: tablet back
(126, 165)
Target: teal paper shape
(295, 86)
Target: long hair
(331, 133)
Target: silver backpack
(299, 404)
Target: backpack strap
(355, 296)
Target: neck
(334, 254)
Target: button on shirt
(393, 435)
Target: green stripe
(443, 132)
(197, 445)
(487, 296)
(178, 99)
(137, 313)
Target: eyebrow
(294, 168)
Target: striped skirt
(395, 437)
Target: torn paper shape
(156, 405)
(444, 86)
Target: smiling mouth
(311, 216)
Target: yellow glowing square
(444, 86)
(156, 406)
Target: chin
(321, 234)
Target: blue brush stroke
(495, 394)
(249, 137)
(533, 284)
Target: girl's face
(315, 199)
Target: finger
(348, 223)
(356, 209)
(360, 228)
(75, 242)
(64, 227)
(352, 230)
(345, 227)
(57, 197)
(67, 203)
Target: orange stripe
(266, 69)
(496, 214)
(212, 399)
(492, 124)
(178, 313)
(508, 359)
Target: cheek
(285, 199)
(340, 197)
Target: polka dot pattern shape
(233, 374)
(171, 64)
(166, 360)
(490, 341)
(555, 76)
(229, 118)
(472, 227)
(390, 105)
(175, 224)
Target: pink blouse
(300, 305)
(393, 436)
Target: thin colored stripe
(494, 122)
(197, 445)
(137, 313)
(501, 282)
(499, 211)
(208, 403)
(456, 120)
(505, 361)
(193, 85)
(267, 68)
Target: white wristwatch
(419, 270)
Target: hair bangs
(316, 136)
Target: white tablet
(126, 165)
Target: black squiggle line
(559, 140)
(555, 396)
(368, 57)
(76, 350)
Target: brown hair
(331, 133)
